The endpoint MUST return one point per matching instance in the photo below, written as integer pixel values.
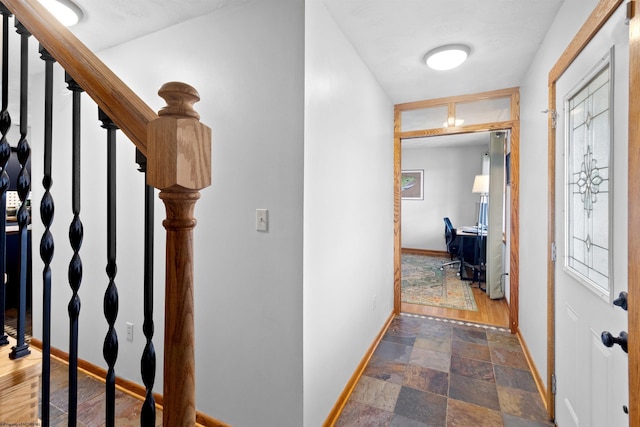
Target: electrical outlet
(374, 301)
(129, 331)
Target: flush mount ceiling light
(447, 57)
(65, 11)
(452, 122)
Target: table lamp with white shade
(481, 186)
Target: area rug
(424, 283)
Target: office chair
(453, 244)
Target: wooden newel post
(179, 164)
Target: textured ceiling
(391, 36)
(109, 23)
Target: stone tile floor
(438, 373)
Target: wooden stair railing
(115, 98)
(178, 151)
(179, 164)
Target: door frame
(513, 125)
(589, 29)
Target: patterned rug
(424, 283)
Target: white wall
(249, 292)
(448, 180)
(348, 202)
(534, 182)
(247, 64)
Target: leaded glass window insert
(588, 181)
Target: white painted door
(591, 238)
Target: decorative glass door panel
(588, 179)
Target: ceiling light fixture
(447, 57)
(452, 122)
(65, 11)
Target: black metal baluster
(46, 243)
(110, 348)
(76, 233)
(148, 362)
(5, 153)
(21, 348)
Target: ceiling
(112, 22)
(391, 36)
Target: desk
(473, 249)
(471, 230)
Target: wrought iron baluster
(21, 348)
(76, 233)
(5, 153)
(148, 361)
(110, 348)
(46, 243)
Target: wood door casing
(634, 215)
(513, 124)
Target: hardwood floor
(19, 386)
(490, 312)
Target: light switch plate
(129, 331)
(262, 219)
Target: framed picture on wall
(411, 184)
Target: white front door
(591, 238)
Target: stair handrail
(130, 113)
(178, 150)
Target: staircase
(174, 152)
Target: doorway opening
(469, 114)
(454, 230)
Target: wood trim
(416, 105)
(126, 386)
(532, 367)
(589, 29)
(514, 126)
(425, 252)
(551, 232)
(484, 127)
(114, 97)
(515, 107)
(397, 214)
(333, 416)
(129, 387)
(514, 238)
(634, 216)
(451, 111)
(205, 420)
